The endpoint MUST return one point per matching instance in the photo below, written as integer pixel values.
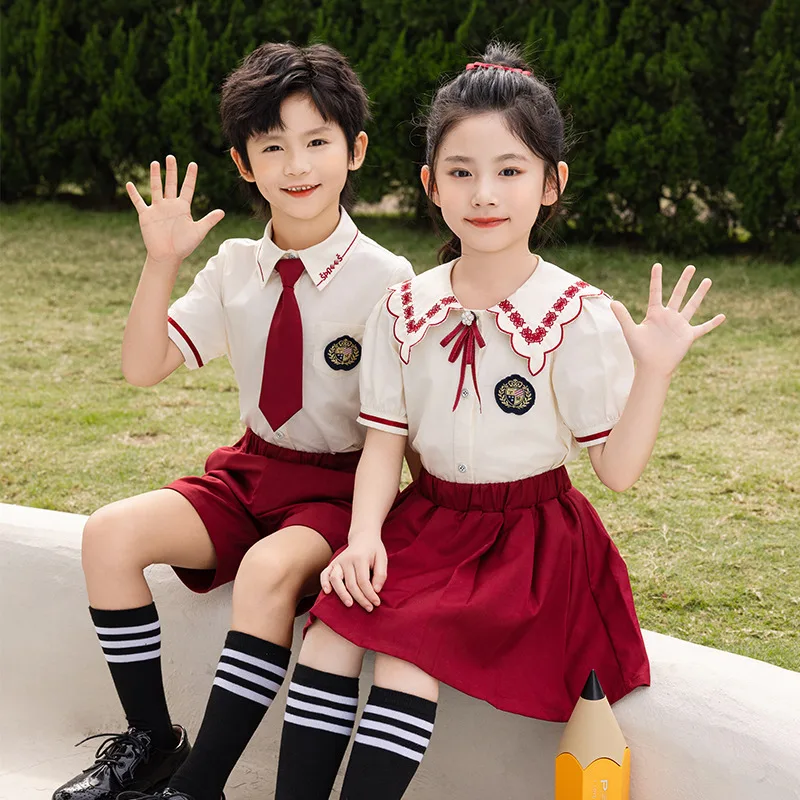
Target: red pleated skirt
(509, 592)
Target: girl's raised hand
(349, 573)
(169, 232)
(665, 335)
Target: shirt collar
(322, 261)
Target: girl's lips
(487, 222)
(304, 193)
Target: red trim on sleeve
(383, 421)
(183, 333)
(592, 437)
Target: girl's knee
(402, 676)
(326, 650)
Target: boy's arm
(170, 235)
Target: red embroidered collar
(533, 317)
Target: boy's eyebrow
(504, 157)
(279, 134)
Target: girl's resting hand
(665, 335)
(349, 573)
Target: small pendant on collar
(467, 317)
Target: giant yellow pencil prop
(593, 761)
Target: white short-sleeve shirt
(553, 375)
(228, 311)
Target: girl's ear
(551, 195)
(359, 151)
(240, 165)
(426, 177)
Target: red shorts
(254, 488)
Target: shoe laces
(113, 746)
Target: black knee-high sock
(392, 737)
(131, 642)
(320, 714)
(249, 674)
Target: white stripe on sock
(262, 699)
(256, 662)
(151, 626)
(333, 698)
(401, 733)
(399, 715)
(371, 741)
(248, 676)
(315, 723)
(146, 656)
(131, 642)
(328, 712)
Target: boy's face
(301, 169)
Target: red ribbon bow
(467, 336)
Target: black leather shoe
(125, 761)
(170, 794)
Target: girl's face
(490, 185)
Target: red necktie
(282, 381)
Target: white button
(465, 392)
(279, 434)
(462, 467)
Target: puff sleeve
(197, 320)
(383, 404)
(592, 373)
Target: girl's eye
(317, 142)
(509, 172)
(460, 173)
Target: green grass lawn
(711, 532)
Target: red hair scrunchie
(484, 65)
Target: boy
(288, 310)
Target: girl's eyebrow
(504, 157)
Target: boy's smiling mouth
(301, 190)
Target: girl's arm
(377, 479)
(658, 345)
(170, 235)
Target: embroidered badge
(343, 353)
(514, 395)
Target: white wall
(714, 726)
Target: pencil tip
(592, 690)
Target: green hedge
(685, 115)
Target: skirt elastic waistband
(343, 462)
(523, 493)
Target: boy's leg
(119, 541)
(275, 574)
(394, 731)
(320, 714)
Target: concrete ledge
(714, 726)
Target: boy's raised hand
(169, 232)
(664, 336)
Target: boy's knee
(109, 536)
(268, 574)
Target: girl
(499, 367)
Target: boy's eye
(317, 142)
(509, 172)
(272, 148)
(460, 173)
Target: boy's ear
(359, 151)
(550, 195)
(240, 165)
(426, 176)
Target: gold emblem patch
(343, 353)
(514, 394)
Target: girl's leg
(119, 541)
(394, 731)
(320, 713)
(275, 574)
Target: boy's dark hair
(528, 106)
(253, 93)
